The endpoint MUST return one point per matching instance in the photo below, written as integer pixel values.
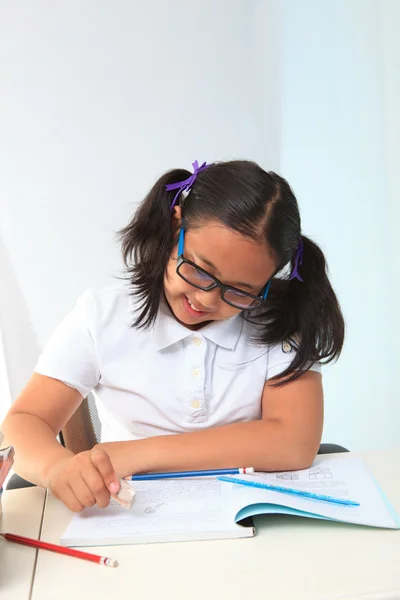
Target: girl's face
(232, 258)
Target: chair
(83, 431)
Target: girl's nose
(208, 299)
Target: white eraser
(125, 494)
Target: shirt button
(196, 372)
(197, 341)
(195, 403)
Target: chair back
(83, 430)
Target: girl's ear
(176, 217)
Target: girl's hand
(84, 480)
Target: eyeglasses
(202, 280)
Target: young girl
(217, 339)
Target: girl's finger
(82, 491)
(97, 486)
(102, 462)
(66, 495)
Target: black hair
(259, 205)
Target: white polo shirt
(165, 380)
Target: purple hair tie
(298, 261)
(186, 185)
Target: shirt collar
(168, 331)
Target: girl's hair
(261, 206)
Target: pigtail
(305, 313)
(147, 242)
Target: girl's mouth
(192, 310)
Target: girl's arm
(32, 425)
(287, 437)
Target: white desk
(290, 558)
(22, 514)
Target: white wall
(99, 98)
(334, 152)
(389, 23)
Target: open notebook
(205, 508)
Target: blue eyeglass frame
(218, 283)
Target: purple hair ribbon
(186, 185)
(298, 261)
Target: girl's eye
(203, 276)
(239, 294)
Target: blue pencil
(179, 474)
(283, 490)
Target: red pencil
(19, 539)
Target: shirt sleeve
(69, 354)
(280, 357)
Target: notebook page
(163, 510)
(346, 479)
